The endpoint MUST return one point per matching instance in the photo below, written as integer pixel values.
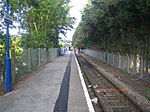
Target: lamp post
(8, 76)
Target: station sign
(7, 18)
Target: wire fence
(26, 61)
(133, 65)
(2, 69)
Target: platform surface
(43, 89)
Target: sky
(78, 5)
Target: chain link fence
(2, 69)
(31, 59)
(26, 61)
(133, 65)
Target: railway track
(109, 97)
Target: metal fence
(2, 69)
(26, 61)
(133, 65)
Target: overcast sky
(78, 5)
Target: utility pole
(8, 76)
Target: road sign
(7, 18)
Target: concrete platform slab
(77, 100)
(41, 89)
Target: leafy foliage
(42, 20)
(115, 25)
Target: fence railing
(26, 61)
(133, 65)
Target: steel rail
(120, 90)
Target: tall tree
(42, 20)
(116, 25)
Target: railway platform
(54, 87)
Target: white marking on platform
(88, 100)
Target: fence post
(45, 52)
(39, 56)
(113, 59)
(108, 57)
(55, 52)
(98, 55)
(29, 59)
(13, 65)
(50, 53)
(141, 66)
(119, 60)
(101, 55)
(128, 65)
(47, 55)
(105, 57)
